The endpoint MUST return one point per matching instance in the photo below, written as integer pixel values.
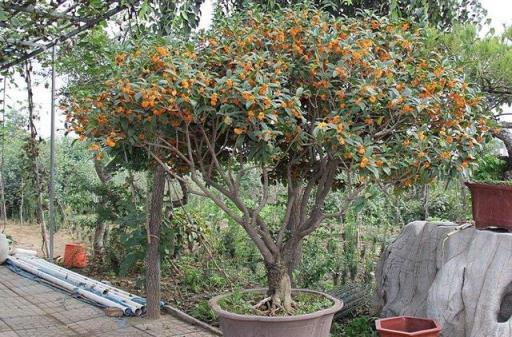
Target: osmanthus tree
(307, 100)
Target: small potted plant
(491, 197)
(492, 204)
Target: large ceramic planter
(405, 326)
(492, 205)
(317, 324)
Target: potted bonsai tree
(303, 100)
(491, 197)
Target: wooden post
(2, 189)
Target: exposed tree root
(273, 305)
(263, 302)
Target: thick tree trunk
(295, 258)
(153, 252)
(292, 252)
(506, 137)
(101, 226)
(279, 288)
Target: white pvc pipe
(84, 282)
(93, 284)
(88, 283)
(127, 309)
(4, 248)
(84, 293)
(82, 278)
(22, 251)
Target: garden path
(31, 309)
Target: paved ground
(30, 309)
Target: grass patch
(240, 302)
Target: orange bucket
(75, 256)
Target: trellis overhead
(29, 27)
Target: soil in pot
(245, 302)
(404, 326)
(253, 324)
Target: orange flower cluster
(358, 89)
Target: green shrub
(83, 220)
(357, 327)
(490, 168)
(128, 240)
(203, 312)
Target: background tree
(32, 152)
(301, 98)
(15, 132)
(487, 61)
(441, 14)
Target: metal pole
(52, 160)
(2, 192)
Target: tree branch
(506, 125)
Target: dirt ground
(28, 236)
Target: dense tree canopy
(361, 91)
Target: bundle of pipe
(4, 248)
(98, 292)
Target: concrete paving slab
(32, 309)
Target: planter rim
(488, 185)
(214, 304)
(437, 327)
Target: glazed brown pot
(492, 205)
(316, 324)
(404, 326)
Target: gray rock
(461, 278)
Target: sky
(500, 12)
